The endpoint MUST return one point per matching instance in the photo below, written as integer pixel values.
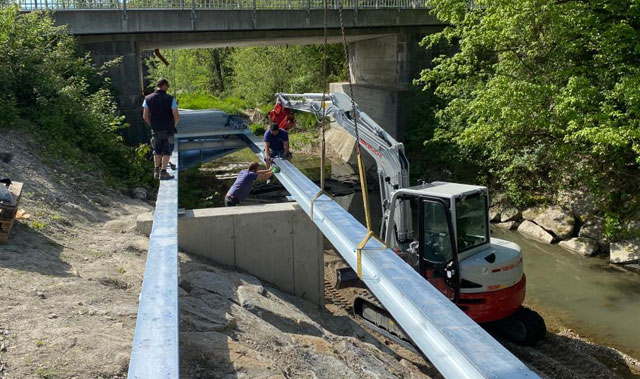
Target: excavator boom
(391, 161)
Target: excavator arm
(392, 164)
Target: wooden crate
(8, 214)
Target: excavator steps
(8, 213)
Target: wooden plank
(8, 214)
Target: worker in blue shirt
(276, 144)
(241, 188)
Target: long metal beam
(455, 344)
(155, 351)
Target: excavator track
(369, 311)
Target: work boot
(164, 175)
(156, 173)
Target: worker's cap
(274, 127)
(162, 82)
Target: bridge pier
(126, 78)
(382, 72)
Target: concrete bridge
(383, 36)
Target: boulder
(625, 251)
(530, 229)
(139, 193)
(594, 228)
(342, 145)
(553, 219)
(509, 225)
(209, 281)
(144, 223)
(634, 267)
(581, 245)
(494, 215)
(509, 214)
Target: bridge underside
(384, 50)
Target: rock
(209, 281)
(497, 198)
(342, 145)
(581, 245)
(139, 193)
(594, 228)
(634, 267)
(52, 315)
(144, 223)
(530, 229)
(3, 348)
(494, 215)
(625, 251)
(509, 225)
(204, 316)
(553, 219)
(509, 214)
(41, 295)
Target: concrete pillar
(126, 78)
(383, 70)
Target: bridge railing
(29, 5)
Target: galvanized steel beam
(155, 351)
(455, 344)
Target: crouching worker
(276, 144)
(241, 188)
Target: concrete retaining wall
(275, 242)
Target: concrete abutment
(277, 243)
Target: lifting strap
(324, 114)
(361, 170)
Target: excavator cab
(451, 220)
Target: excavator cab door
(437, 249)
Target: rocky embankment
(578, 233)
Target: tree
(545, 92)
(260, 72)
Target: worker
(160, 112)
(276, 144)
(240, 189)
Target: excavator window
(436, 237)
(471, 221)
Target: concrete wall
(275, 242)
(127, 80)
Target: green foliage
(543, 94)
(260, 72)
(257, 129)
(198, 100)
(193, 70)
(52, 91)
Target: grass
(46, 373)
(37, 225)
(39, 343)
(231, 105)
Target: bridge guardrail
(60, 5)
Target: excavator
(440, 229)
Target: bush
(61, 96)
(544, 95)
